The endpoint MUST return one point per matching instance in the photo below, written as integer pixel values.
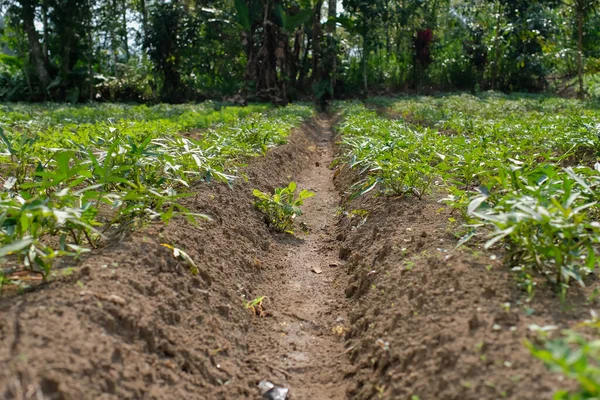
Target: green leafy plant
(545, 227)
(499, 167)
(389, 153)
(282, 207)
(575, 356)
(71, 180)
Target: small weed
(592, 297)
(281, 208)
(180, 254)
(3, 281)
(256, 306)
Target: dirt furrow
(302, 343)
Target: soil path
(302, 343)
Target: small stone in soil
(272, 392)
(316, 269)
(334, 265)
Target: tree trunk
(45, 25)
(28, 14)
(124, 27)
(267, 72)
(90, 59)
(114, 41)
(295, 63)
(248, 43)
(388, 40)
(331, 15)
(581, 93)
(66, 59)
(364, 68)
(269, 56)
(496, 48)
(332, 50)
(114, 50)
(365, 55)
(316, 48)
(144, 13)
(304, 67)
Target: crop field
(75, 176)
(396, 248)
(505, 174)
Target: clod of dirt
(116, 299)
(271, 392)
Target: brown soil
(131, 322)
(437, 323)
(371, 303)
(302, 345)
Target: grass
(256, 306)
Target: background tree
(581, 9)
(282, 50)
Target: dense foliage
(72, 178)
(512, 182)
(279, 50)
(522, 173)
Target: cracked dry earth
(302, 342)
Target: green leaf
(499, 236)
(475, 204)
(291, 22)
(7, 142)
(16, 246)
(243, 14)
(62, 160)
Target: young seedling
(256, 306)
(180, 254)
(281, 208)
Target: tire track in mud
(302, 343)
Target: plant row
(66, 188)
(513, 181)
(521, 171)
(185, 116)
